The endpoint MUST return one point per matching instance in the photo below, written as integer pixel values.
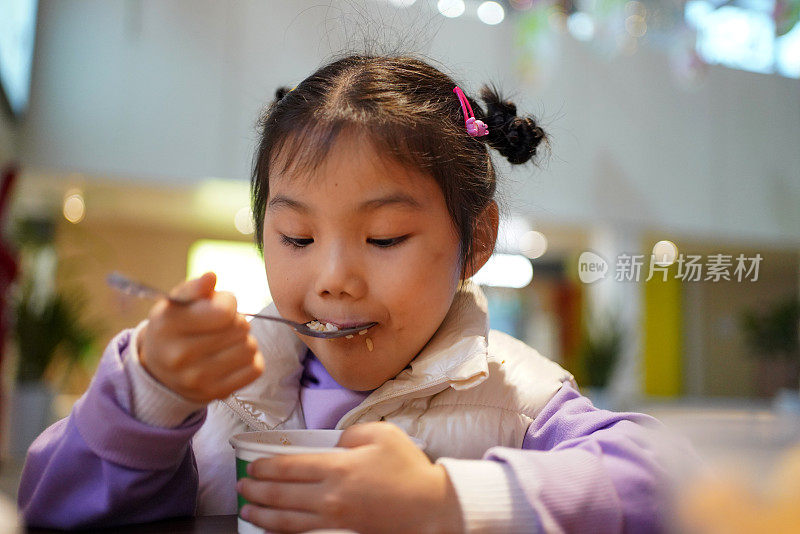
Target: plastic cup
(250, 446)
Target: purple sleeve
(101, 467)
(589, 470)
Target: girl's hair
(408, 110)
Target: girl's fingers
(300, 497)
(233, 357)
(217, 312)
(281, 520)
(212, 343)
(228, 383)
(200, 347)
(295, 468)
(196, 288)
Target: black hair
(409, 110)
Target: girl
(373, 202)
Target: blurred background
(654, 252)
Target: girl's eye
(297, 242)
(386, 243)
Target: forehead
(352, 170)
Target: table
(212, 524)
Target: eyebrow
(396, 199)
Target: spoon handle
(125, 285)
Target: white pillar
(625, 299)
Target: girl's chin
(355, 346)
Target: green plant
(600, 350)
(47, 327)
(774, 333)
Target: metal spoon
(125, 285)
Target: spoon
(125, 285)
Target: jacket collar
(456, 356)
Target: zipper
(245, 416)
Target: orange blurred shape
(727, 504)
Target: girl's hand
(203, 350)
(384, 483)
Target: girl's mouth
(328, 325)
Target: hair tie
(475, 127)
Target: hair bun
(516, 138)
(281, 92)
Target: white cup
(250, 446)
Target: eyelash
(300, 242)
(296, 242)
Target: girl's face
(361, 239)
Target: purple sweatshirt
(580, 469)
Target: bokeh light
(74, 207)
(491, 13)
(533, 244)
(665, 253)
(243, 221)
(636, 25)
(505, 270)
(581, 26)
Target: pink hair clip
(475, 127)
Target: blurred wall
(171, 90)
(633, 147)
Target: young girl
(373, 196)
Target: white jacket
(469, 389)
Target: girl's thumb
(197, 288)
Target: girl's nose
(340, 274)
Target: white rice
(319, 327)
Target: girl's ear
(484, 239)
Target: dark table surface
(212, 524)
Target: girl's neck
(315, 376)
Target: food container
(250, 446)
